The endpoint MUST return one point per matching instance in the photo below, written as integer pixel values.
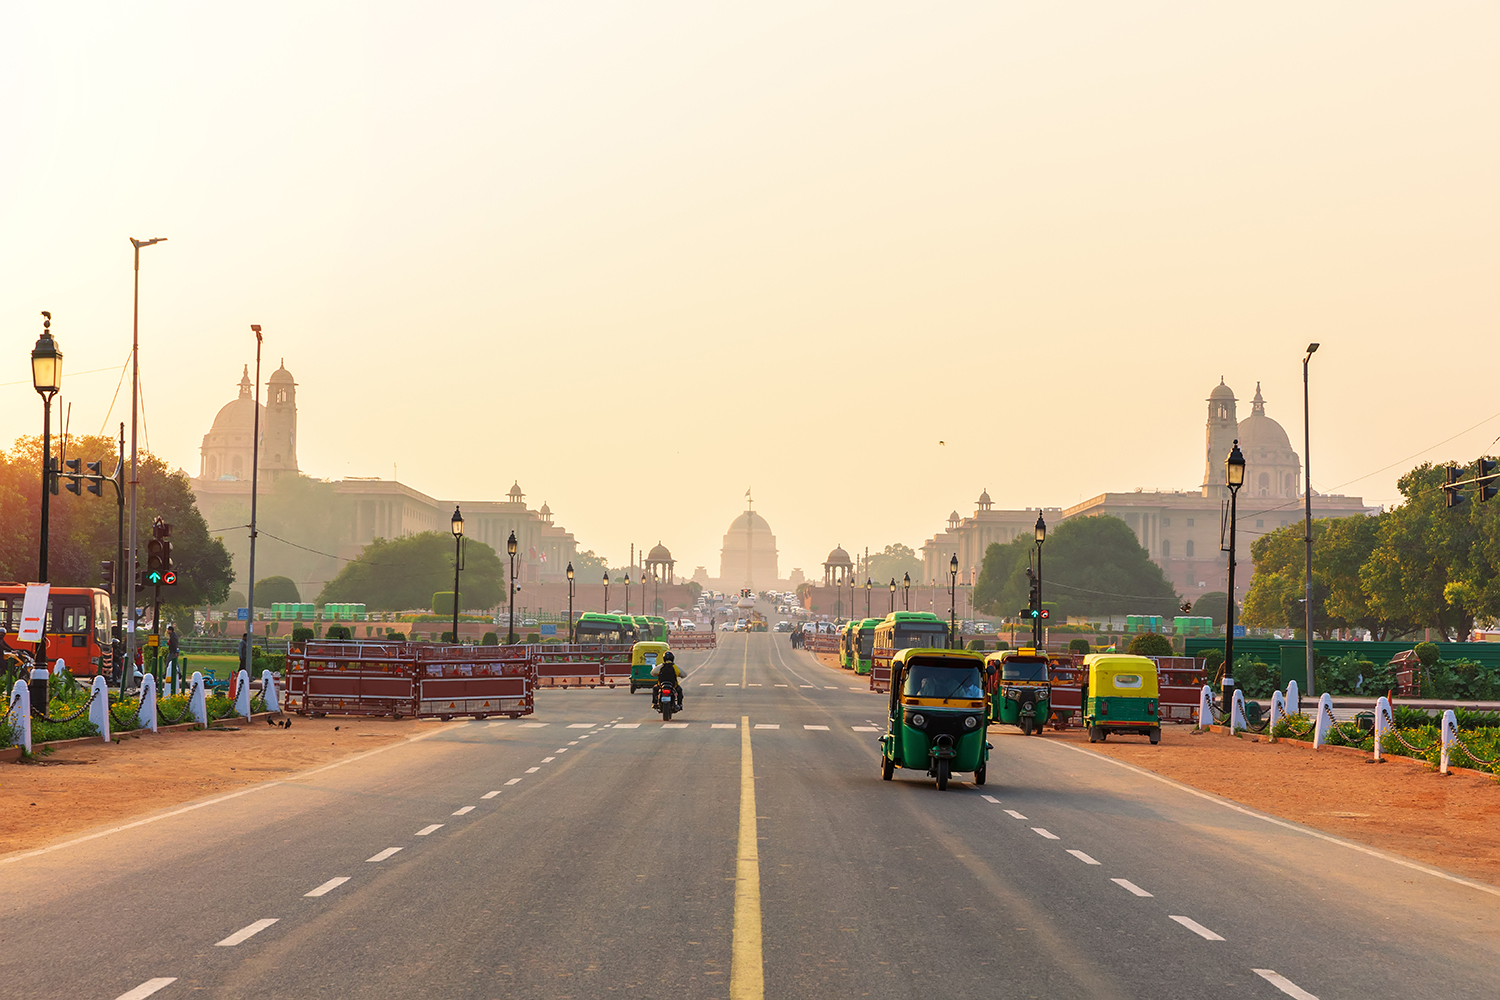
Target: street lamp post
(46, 379)
(1307, 593)
(893, 595)
(249, 653)
(458, 563)
(135, 398)
(627, 593)
(510, 548)
(656, 593)
(867, 597)
(606, 591)
(1036, 623)
(570, 602)
(906, 591)
(1234, 476)
(952, 600)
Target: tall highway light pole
(1307, 595)
(893, 595)
(249, 657)
(1234, 476)
(135, 399)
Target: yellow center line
(747, 959)
(745, 667)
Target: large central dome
(749, 518)
(748, 558)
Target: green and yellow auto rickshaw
(1020, 689)
(937, 715)
(645, 657)
(1120, 696)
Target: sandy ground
(1406, 808)
(94, 784)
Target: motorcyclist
(669, 673)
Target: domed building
(1274, 468)
(228, 447)
(748, 558)
(661, 565)
(838, 567)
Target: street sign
(153, 640)
(34, 612)
(1239, 631)
(243, 614)
(549, 630)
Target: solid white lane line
(327, 887)
(768, 725)
(1125, 883)
(1283, 984)
(820, 728)
(1197, 928)
(991, 798)
(464, 811)
(580, 725)
(532, 770)
(1015, 815)
(875, 729)
(491, 795)
(147, 988)
(1040, 832)
(246, 933)
(429, 829)
(384, 854)
(548, 760)
(513, 781)
(1083, 857)
(730, 725)
(628, 725)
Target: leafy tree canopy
(403, 573)
(1091, 566)
(893, 563)
(1151, 644)
(276, 590)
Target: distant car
(729, 626)
(983, 628)
(687, 626)
(532, 621)
(742, 626)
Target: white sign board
(34, 612)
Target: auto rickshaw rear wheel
(942, 774)
(1095, 734)
(887, 767)
(1155, 737)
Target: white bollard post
(1450, 737)
(1293, 701)
(20, 713)
(146, 717)
(1237, 720)
(1205, 710)
(268, 691)
(1325, 720)
(1278, 713)
(198, 700)
(99, 706)
(242, 696)
(1384, 723)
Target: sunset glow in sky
(640, 256)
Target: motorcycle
(666, 699)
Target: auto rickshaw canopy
(647, 654)
(1121, 675)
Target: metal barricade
(707, 639)
(352, 678)
(880, 670)
(581, 665)
(1180, 680)
(1066, 673)
(475, 680)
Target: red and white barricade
(707, 639)
(352, 678)
(474, 680)
(581, 665)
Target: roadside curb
(13, 754)
(1363, 755)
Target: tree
(1151, 644)
(1215, 605)
(588, 567)
(276, 590)
(403, 573)
(1092, 566)
(894, 562)
(298, 518)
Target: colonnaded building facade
(374, 507)
(1179, 528)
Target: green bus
(614, 630)
(862, 644)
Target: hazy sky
(640, 256)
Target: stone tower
(278, 432)
(1223, 428)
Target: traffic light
(1486, 479)
(1033, 590)
(75, 476)
(107, 575)
(1035, 614)
(156, 563)
(1452, 491)
(96, 485)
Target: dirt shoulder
(1401, 806)
(87, 785)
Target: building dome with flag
(748, 558)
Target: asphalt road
(590, 851)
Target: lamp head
(606, 578)
(893, 584)
(1311, 350)
(906, 580)
(510, 544)
(570, 571)
(46, 361)
(1041, 528)
(953, 565)
(1234, 467)
(458, 523)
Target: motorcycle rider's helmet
(668, 657)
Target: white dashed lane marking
(491, 795)
(1130, 886)
(584, 725)
(730, 725)
(384, 854)
(709, 684)
(246, 933)
(539, 725)
(876, 729)
(825, 728)
(468, 809)
(331, 885)
(532, 770)
(431, 828)
(548, 760)
(674, 725)
(1041, 832)
(1083, 857)
(991, 798)
(1197, 928)
(513, 781)
(147, 988)
(768, 725)
(804, 685)
(1015, 815)
(1283, 984)
(637, 725)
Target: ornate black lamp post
(570, 602)
(1036, 623)
(510, 548)
(1234, 477)
(953, 600)
(906, 591)
(46, 379)
(627, 593)
(606, 591)
(893, 595)
(867, 597)
(458, 562)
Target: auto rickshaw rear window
(1016, 668)
(1127, 680)
(937, 679)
